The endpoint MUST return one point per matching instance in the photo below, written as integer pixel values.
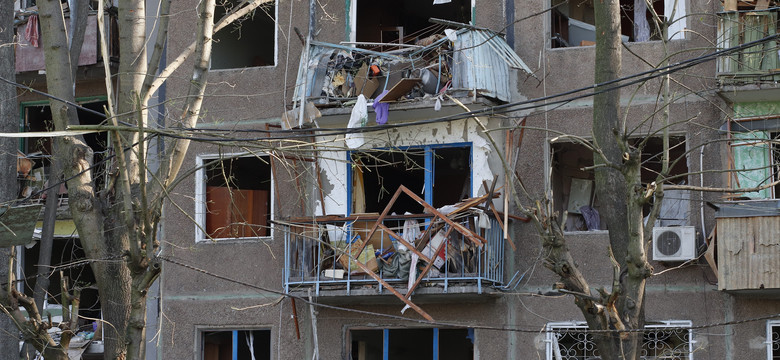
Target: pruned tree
(617, 166)
(118, 222)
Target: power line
(529, 329)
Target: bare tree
(117, 224)
(8, 110)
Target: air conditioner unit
(674, 243)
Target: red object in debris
(375, 70)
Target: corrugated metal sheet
(749, 253)
(481, 61)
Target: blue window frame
(236, 345)
(440, 174)
(412, 344)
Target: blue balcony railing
(316, 255)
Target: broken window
(661, 340)
(36, 117)
(234, 197)
(236, 345)
(68, 255)
(773, 340)
(406, 21)
(248, 42)
(412, 344)
(573, 184)
(573, 21)
(440, 174)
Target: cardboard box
(366, 258)
(365, 85)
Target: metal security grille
(672, 340)
(775, 344)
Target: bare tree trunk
(8, 111)
(618, 186)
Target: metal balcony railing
(759, 63)
(315, 255)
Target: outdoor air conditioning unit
(674, 243)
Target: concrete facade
(240, 284)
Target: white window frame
(200, 196)
(553, 327)
(769, 341)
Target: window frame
(677, 29)
(550, 151)
(350, 34)
(386, 339)
(769, 341)
(551, 327)
(200, 196)
(428, 149)
(201, 332)
(276, 47)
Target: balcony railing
(759, 63)
(316, 254)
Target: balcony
(29, 48)
(469, 261)
(467, 63)
(748, 246)
(757, 65)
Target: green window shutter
(752, 162)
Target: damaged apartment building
(381, 199)
(34, 173)
(365, 208)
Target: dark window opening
(573, 23)
(236, 345)
(248, 42)
(574, 188)
(406, 21)
(65, 252)
(238, 197)
(412, 344)
(38, 150)
(377, 174)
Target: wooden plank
(762, 4)
(400, 89)
(489, 204)
(430, 263)
(403, 241)
(394, 291)
(730, 5)
(476, 239)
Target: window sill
(241, 69)
(591, 232)
(234, 240)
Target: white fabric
(358, 118)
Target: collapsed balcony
(467, 62)
(755, 65)
(459, 246)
